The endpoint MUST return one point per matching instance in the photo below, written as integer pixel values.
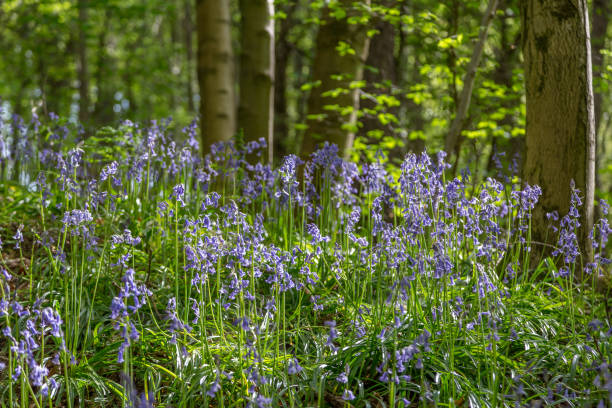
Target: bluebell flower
(178, 193)
(18, 237)
(121, 308)
(214, 388)
(348, 395)
(293, 367)
(343, 377)
(333, 334)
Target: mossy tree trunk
(215, 72)
(560, 137)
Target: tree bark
(256, 108)
(601, 16)
(382, 66)
(506, 60)
(103, 111)
(83, 69)
(560, 134)
(188, 38)
(332, 70)
(282, 54)
(468, 80)
(215, 72)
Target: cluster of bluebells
(365, 252)
(130, 299)
(24, 343)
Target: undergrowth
(136, 273)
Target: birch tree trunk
(215, 72)
(335, 66)
(256, 108)
(560, 134)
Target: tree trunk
(256, 108)
(382, 66)
(507, 60)
(601, 16)
(560, 135)
(463, 105)
(335, 66)
(103, 111)
(282, 53)
(82, 55)
(215, 73)
(188, 37)
(408, 68)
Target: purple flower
(37, 374)
(108, 171)
(18, 237)
(348, 395)
(178, 192)
(343, 377)
(214, 388)
(121, 308)
(52, 319)
(293, 367)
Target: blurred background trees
(366, 74)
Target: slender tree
(463, 103)
(380, 72)
(103, 110)
(188, 38)
(342, 48)
(282, 54)
(409, 67)
(601, 17)
(256, 108)
(215, 72)
(82, 59)
(506, 60)
(560, 134)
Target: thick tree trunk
(560, 144)
(463, 104)
(82, 56)
(335, 68)
(256, 108)
(215, 73)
